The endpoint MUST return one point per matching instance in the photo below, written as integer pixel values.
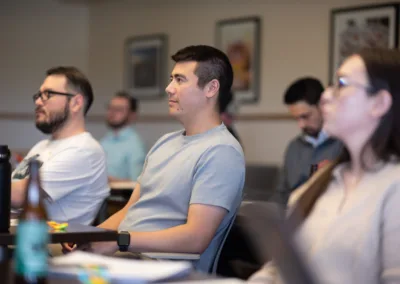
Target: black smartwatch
(124, 240)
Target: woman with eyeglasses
(346, 218)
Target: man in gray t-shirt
(180, 170)
(192, 180)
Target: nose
(38, 102)
(326, 96)
(170, 89)
(301, 123)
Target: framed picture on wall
(240, 40)
(361, 27)
(145, 66)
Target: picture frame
(145, 66)
(240, 39)
(360, 27)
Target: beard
(56, 122)
(311, 132)
(117, 125)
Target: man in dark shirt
(313, 145)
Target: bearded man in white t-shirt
(73, 170)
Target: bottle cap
(5, 153)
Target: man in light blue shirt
(123, 146)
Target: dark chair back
(266, 225)
(102, 214)
(261, 181)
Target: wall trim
(158, 118)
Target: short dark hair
(224, 101)
(306, 89)
(133, 102)
(212, 64)
(77, 81)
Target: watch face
(124, 239)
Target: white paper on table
(120, 269)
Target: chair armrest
(174, 256)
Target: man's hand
(68, 247)
(106, 248)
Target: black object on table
(5, 196)
(5, 188)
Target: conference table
(78, 233)
(74, 233)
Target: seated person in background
(124, 148)
(312, 146)
(73, 171)
(192, 180)
(349, 226)
(224, 103)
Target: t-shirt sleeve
(65, 172)
(219, 177)
(22, 171)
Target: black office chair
(265, 224)
(102, 214)
(239, 255)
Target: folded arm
(18, 189)
(192, 237)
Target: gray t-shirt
(208, 168)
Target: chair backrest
(221, 246)
(266, 226)
(101, 214)
(261, 181)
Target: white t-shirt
(73, 174)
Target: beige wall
(90, 35)
(294, 43)
(35, 35)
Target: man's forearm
(18, 189)
(179, 239)
(113, 222)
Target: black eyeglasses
(342, 82)
(47, 94)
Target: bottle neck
(33, 194)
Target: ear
(212, 88)
(381, 103)
(77, 103)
